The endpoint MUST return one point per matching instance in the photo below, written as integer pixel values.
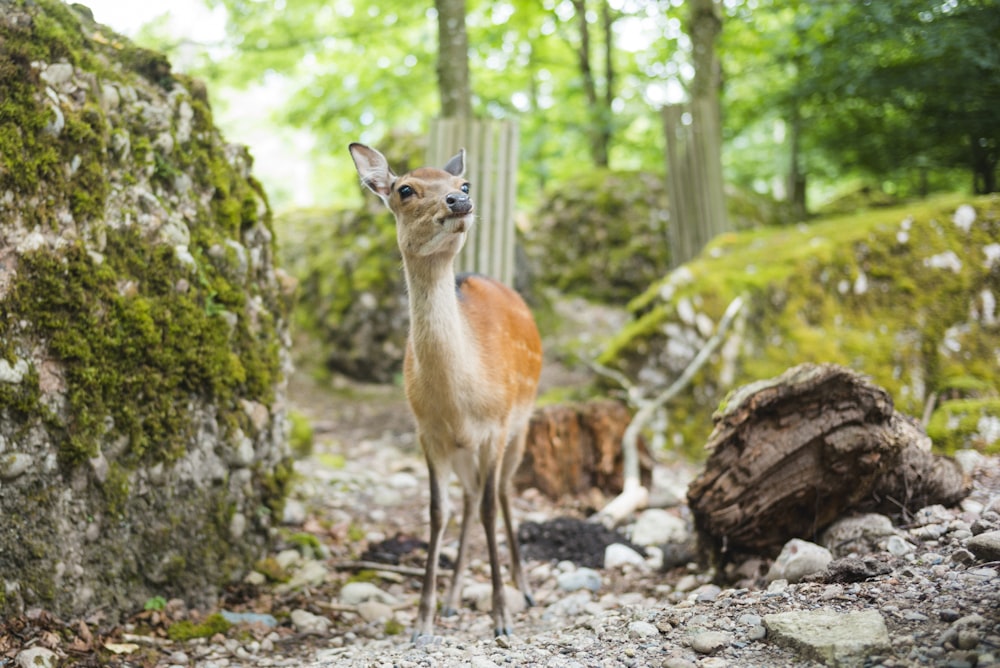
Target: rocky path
(926, 593)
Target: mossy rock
(906, 295)
(352, 294)
(604, 236)
(143, 327)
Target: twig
(392, 568)
(634, 495)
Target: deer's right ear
(373, 169)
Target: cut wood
(574, 448)
(792, 454)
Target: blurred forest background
(818, 99)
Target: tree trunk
(694, 145)
(598, 133)
(792, 454)
(453, 59)
(575, 448)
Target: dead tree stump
(574, 448)
(792, 454)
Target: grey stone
(656, 526)
(641, 629)
(373, 611)
(710, 642)
(582, 578)
(14, 464)
(835, 638)
(798, 559)
(617, 555)
(355, 593)
(36, 657)
(985, 546)
(13, 373)
(308, 623)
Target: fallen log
(792, 454)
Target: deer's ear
(456, 166)
(373, 169)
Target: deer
(470, 372)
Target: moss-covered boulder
(603, 235)
(906, 295)
(143, 334)
(352, 295)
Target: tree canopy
(902, 95)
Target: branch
(634, 495)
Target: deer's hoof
(530, 600)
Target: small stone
(898, 547)
(710, 642)
(678, 662)
(798, 559)
(582, 578)
(35, 657)
(641, 629)
(13, 373)
(14, 464)
(355, 593)
(373, 611)
(617, 555)
(985, 546)
(656, 526)
(308, 623)
(246, 618)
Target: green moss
(301, 437)
(966, 423)
(857, 290)
(394, 627)
(188, 630)
(272, 570)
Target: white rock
(641, 629)
(14, 464)
(308, 623)
(798, 559)
(355, 593)
(656, 526)
(373, 611)
(965, 216)
(582, 578)
(294, 512)
(13, 373)
(617, 555)
(35, 657)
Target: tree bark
(575, 448)
(453, 59)
(792, 454)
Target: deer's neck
(441, 339)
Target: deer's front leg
(439, 519)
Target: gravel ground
(924, 591)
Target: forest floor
(916, 596)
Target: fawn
(473, 359)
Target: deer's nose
(458, 202)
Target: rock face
(143, 328)
(907, 296)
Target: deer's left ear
(373, 169)
(456, 166)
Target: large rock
(143, 333)
(907, 296)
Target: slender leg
(453, 600)
(511, 460)
(439, 518)
(488, 514)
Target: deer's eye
(405, 191)
(465, 188)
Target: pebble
(657, 526)
(985, 546)
(308, 623)
(617, 555)
(36, 657)
(582, 578)
(355, 593)
(640, 629)
(799, 558)
(710, 642)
